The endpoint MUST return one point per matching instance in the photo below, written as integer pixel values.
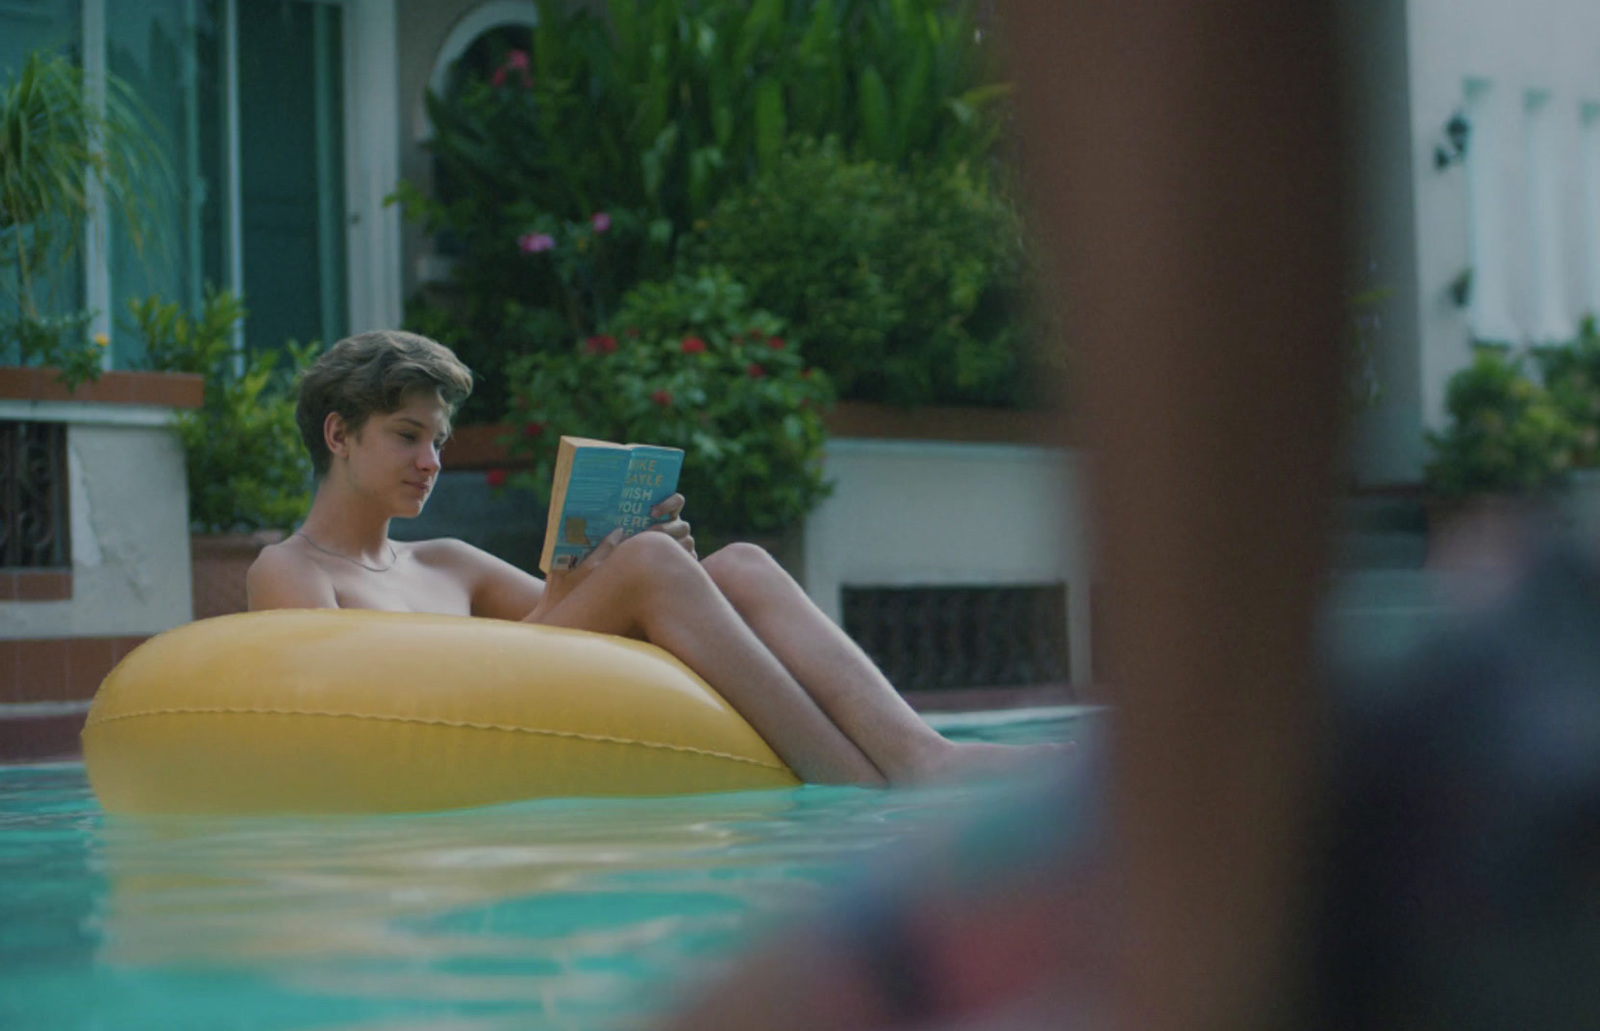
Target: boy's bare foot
(977, 760)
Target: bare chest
(408, 586)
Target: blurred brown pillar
(1186, 159)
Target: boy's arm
(498, 589)
(280, 579)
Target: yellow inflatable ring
(358, 711)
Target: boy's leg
(650, 587)
(838, 674)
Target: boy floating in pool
(375, 411)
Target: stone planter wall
(127, 573)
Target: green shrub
(1572, 376)
(908, 285)
(247, 467)
(1505, 435)
(688, 363)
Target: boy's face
(394, 456)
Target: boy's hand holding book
(602, 488)
(671, 522)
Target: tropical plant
(687, 363)
(909, 284)
(247, 467)
(657, 112)
(56, 143)
(1505, 435)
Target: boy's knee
(654, 553)
(739, 567)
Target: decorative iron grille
(932, 638)
(33, 495)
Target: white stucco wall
(1526, 74)
(932, 513)
(130, 538)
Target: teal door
(291, 170)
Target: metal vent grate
(33, 495)
(932, 638)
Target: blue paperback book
(600, 486)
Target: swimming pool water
(544, 914)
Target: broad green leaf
(771, 123)
(875, 124)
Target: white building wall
(1521, 212)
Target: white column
(97, 230)
(1551, 322)
(372, 164)
(1490, 312)
(1591, 206)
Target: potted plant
(688, 363)
(1508, 441)
(1571, 373)
(249, 475)
(55, 142)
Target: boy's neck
(337, 521)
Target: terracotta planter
(168, 389)
(219, 563)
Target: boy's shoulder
(283, 556)
(285, 575)
(443, 550)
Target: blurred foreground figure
(1184, 160)
(1462, 880)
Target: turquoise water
(546, 914)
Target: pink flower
(777, 343)
(600, 344)
(517, 59)
(693, 345)
(533, 430)
(662, 397)
(601, 222)
(755, 370)
(534, 243)
(496, 478)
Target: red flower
(777, 343)
(499, 77)
(693, 345)
(662, 397)
(633, 332)
(517, 59)
(753, 333)
(496, 478)
(600, 344)
(805, 373)
(533, 430)
(755, 370)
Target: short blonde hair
(374, 373)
